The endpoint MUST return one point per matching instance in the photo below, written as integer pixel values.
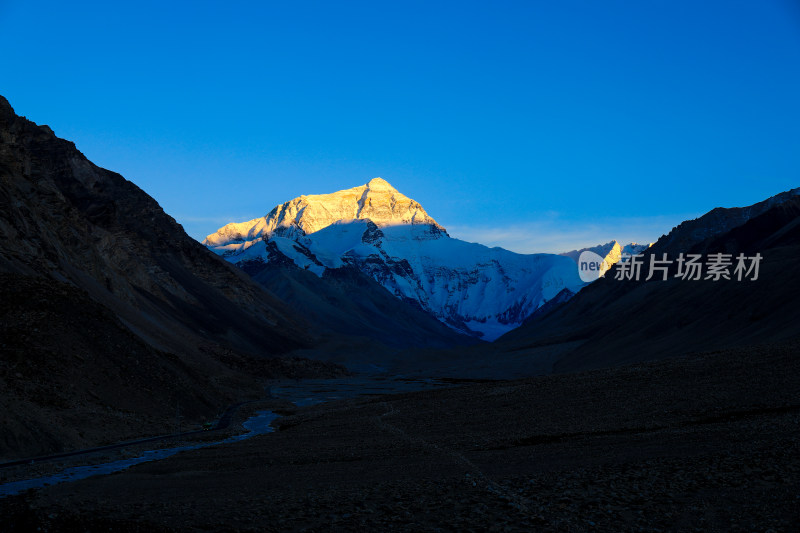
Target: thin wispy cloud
(551, 234)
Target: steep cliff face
(472, 288)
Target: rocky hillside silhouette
(620, 321)
(99, 280)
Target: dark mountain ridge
(620, 321)
(116, 289)
(66, 218)
(714, 223)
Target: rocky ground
(704, 443)
(73, 376)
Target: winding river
(301, 393)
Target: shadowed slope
(99, 285)
(614, 321)
(66, 218)
(349, 302)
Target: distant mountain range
(114, 323)
(613, 321)
(382, 233)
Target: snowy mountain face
(472, 288)
(376, 201)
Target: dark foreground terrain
(704, 443)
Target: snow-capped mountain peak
(388, 236)
(380, 184)
(377, 201)
(612, 252)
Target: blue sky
(537, 126)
